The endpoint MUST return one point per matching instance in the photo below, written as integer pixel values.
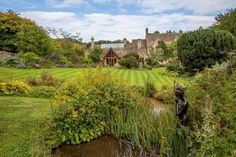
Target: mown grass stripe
(138, 77)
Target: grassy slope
(19, 119)
(132, 77)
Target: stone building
(113, 52)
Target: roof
(120, 52)
(112, 45)
(153, 38)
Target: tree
(202, 48)
(32, 38)
(21, 34)
(95, 55)
(226, 21)
(130, 60)
(10, 24)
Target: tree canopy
(19, 34)
(202, 48)
(226, 21)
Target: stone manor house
(115, 51)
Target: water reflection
(105, 146)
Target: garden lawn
(19, 123)
(131, 77)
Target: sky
(118, 19)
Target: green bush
(148, 67)
(212, 113)
(203, 48)
(79, 109)
(130, 60)
(13, 61)
(175, 68)
(46, 79)
(29, 58)
(43, 92)
(14, 88)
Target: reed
(148, 130)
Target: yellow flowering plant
(81, 106)
(14, 88)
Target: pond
(108, 146)
(105, 146)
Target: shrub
(43, 92)
(175, 68)
(14, 88)
(130, 60)
(79, 108)
(46, 79)
(29, 58)
(203, 48)
(13, 61)
(212, 113)
(146, 66)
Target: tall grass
(146, 129)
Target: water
(105, 146)
(158, 106)
(108, 146)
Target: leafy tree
(130, 60)
(202, 48)
(21, 34)
(34, 39)
(10, 24)
(95, 55)
(71, 49)
(226, 21)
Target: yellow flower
(74, 114)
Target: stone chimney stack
(125, 41)
(146, 30)
(92, 44)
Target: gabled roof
(106, 51)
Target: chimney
(146, 31)
(125, 41)
(92, 44)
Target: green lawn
(19, 121)
(132, 77)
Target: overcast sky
(116, 19)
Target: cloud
(201, 7)
(196, 6)
(111, 27)
(65, 3)
(48, 16)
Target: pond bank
(108, 146)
